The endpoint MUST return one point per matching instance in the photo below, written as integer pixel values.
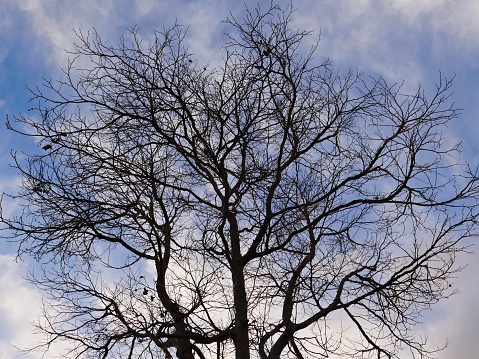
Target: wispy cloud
(393, 38)
(19, 305)
(455, 319)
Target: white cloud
(19, 304)
(401, 39)
(50, 24)
(458, 321)
(382, 36)
(53, 23)
(458, 18)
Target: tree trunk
(184, 350)
(241, 335)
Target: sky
(410, 41)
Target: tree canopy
(266, 208)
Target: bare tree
(268, 208)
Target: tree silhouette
(267, 208)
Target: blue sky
(402, 40)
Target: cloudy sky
(402, 40)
